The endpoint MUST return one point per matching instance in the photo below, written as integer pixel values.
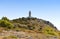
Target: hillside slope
(28, 28)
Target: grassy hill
(31, 26)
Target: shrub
(10, 37)
(13, 37)
(23, 18)
(30, 27)
(4, 23)
(51, 33)
(5, 18)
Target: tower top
(29, 11)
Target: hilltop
(28, 28)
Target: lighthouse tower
(29, 14)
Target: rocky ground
(24, 35)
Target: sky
(44, 9)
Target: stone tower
(29, 14)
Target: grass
(10, 37)
(50, 31)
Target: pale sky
(44, 9)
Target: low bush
(4, 23)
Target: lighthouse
(29, 14)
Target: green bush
(5, 18)
(4, 23)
